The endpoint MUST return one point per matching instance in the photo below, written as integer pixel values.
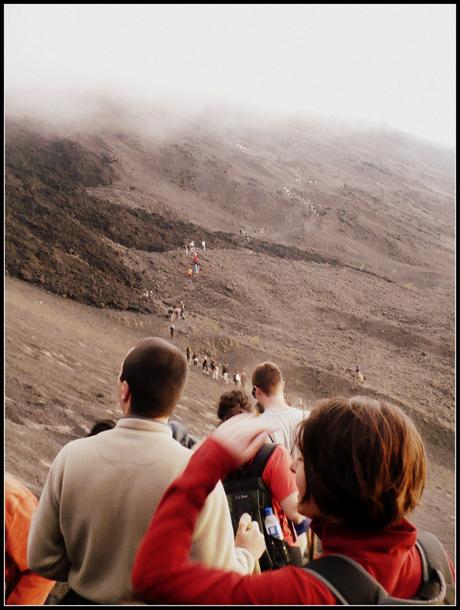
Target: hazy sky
(392, 64)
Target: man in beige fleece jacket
(101, 492)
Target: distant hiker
(236, 378)
(190, 273)
(216, 372)
(170, 313)
(109, 485)
(196, 268)
(225, 373)
(188, 353)
(195, 359)
(171, 330)
(22, 586)
(177, 312)
(195, 258)
(203, 245)
(192, 247)
(212, 366)
(359, 377)
(205, 365)
(186, 249)
(243, 380)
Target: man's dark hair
(155, 372)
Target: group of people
(131, 514)
(190, 247)
(217, 370)
(178, 313)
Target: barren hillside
(325, 248)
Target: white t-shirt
(287, 420)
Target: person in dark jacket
(181, 435)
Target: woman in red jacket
(362, 470)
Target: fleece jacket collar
(145, 424)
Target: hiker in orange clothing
(23, 587)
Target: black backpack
(352, 585)
(247, 493)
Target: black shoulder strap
(347, 580)
(260, 461)
(351, 584)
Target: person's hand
(243, 435)
(249, 536)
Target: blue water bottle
(272, 524)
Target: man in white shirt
(268, 390)
(101, 492)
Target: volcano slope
(100, 217)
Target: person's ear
(125, 391)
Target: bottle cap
(268, 511)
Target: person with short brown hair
(268, 390)
(268, 378)
(154, 372)
(361, 471)
(233, 403)
(101, 491)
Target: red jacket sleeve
(164, 573)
